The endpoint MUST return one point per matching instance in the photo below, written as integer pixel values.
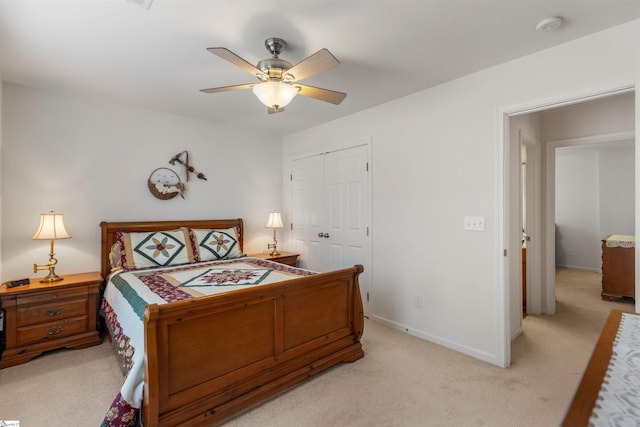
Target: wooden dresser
(46, 316)
(618, 267)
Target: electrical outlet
(571, 252)
(417, 300)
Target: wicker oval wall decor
(165, 184)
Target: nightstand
(47, 316)
(288, 258)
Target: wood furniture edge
(284, 257)
(586, 394)
(35, 285)
(618, 272)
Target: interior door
(346, 210)
(330, 212)
(307, 211)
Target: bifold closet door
(330, 211)
(346, 207)
(307, 212)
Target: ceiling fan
(279, 79)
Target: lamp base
(50, 278)
(274, 249)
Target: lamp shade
(51, 227)
(275, 94)
(274, 221)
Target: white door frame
(534, 215)
(505, 204)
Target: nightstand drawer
(51, 330)
(51, 312)
(52, 296)
(291, 260)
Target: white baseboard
(478, 354)
(516, 333)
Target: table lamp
(274, 221)
(51, 228)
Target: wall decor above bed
(165, 184)
(182, 158)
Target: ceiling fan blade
(227, 55)
(325, 95)
(320, 61)
(271, 110)
(228, 88)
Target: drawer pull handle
(54, 312)
(54, 330)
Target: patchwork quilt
(129, 291)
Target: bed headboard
(109, 230)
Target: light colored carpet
(402, 381)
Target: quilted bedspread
(128, 292)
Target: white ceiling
(156, 58)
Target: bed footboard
(209, 358)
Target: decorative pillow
(156, 248)
(115, 256)
(216, 244)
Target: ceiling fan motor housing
(275, 45)
(274, 67)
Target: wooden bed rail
(585, 397)
(209, 358)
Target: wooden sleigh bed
(210, 357)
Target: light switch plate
(474, 223)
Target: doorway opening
(544, 144)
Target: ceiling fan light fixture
(275, 94)
(279, 80)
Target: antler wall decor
(178, 159)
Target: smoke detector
(548, 25)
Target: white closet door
(307, 211)
(347, 212)
(330, 212)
